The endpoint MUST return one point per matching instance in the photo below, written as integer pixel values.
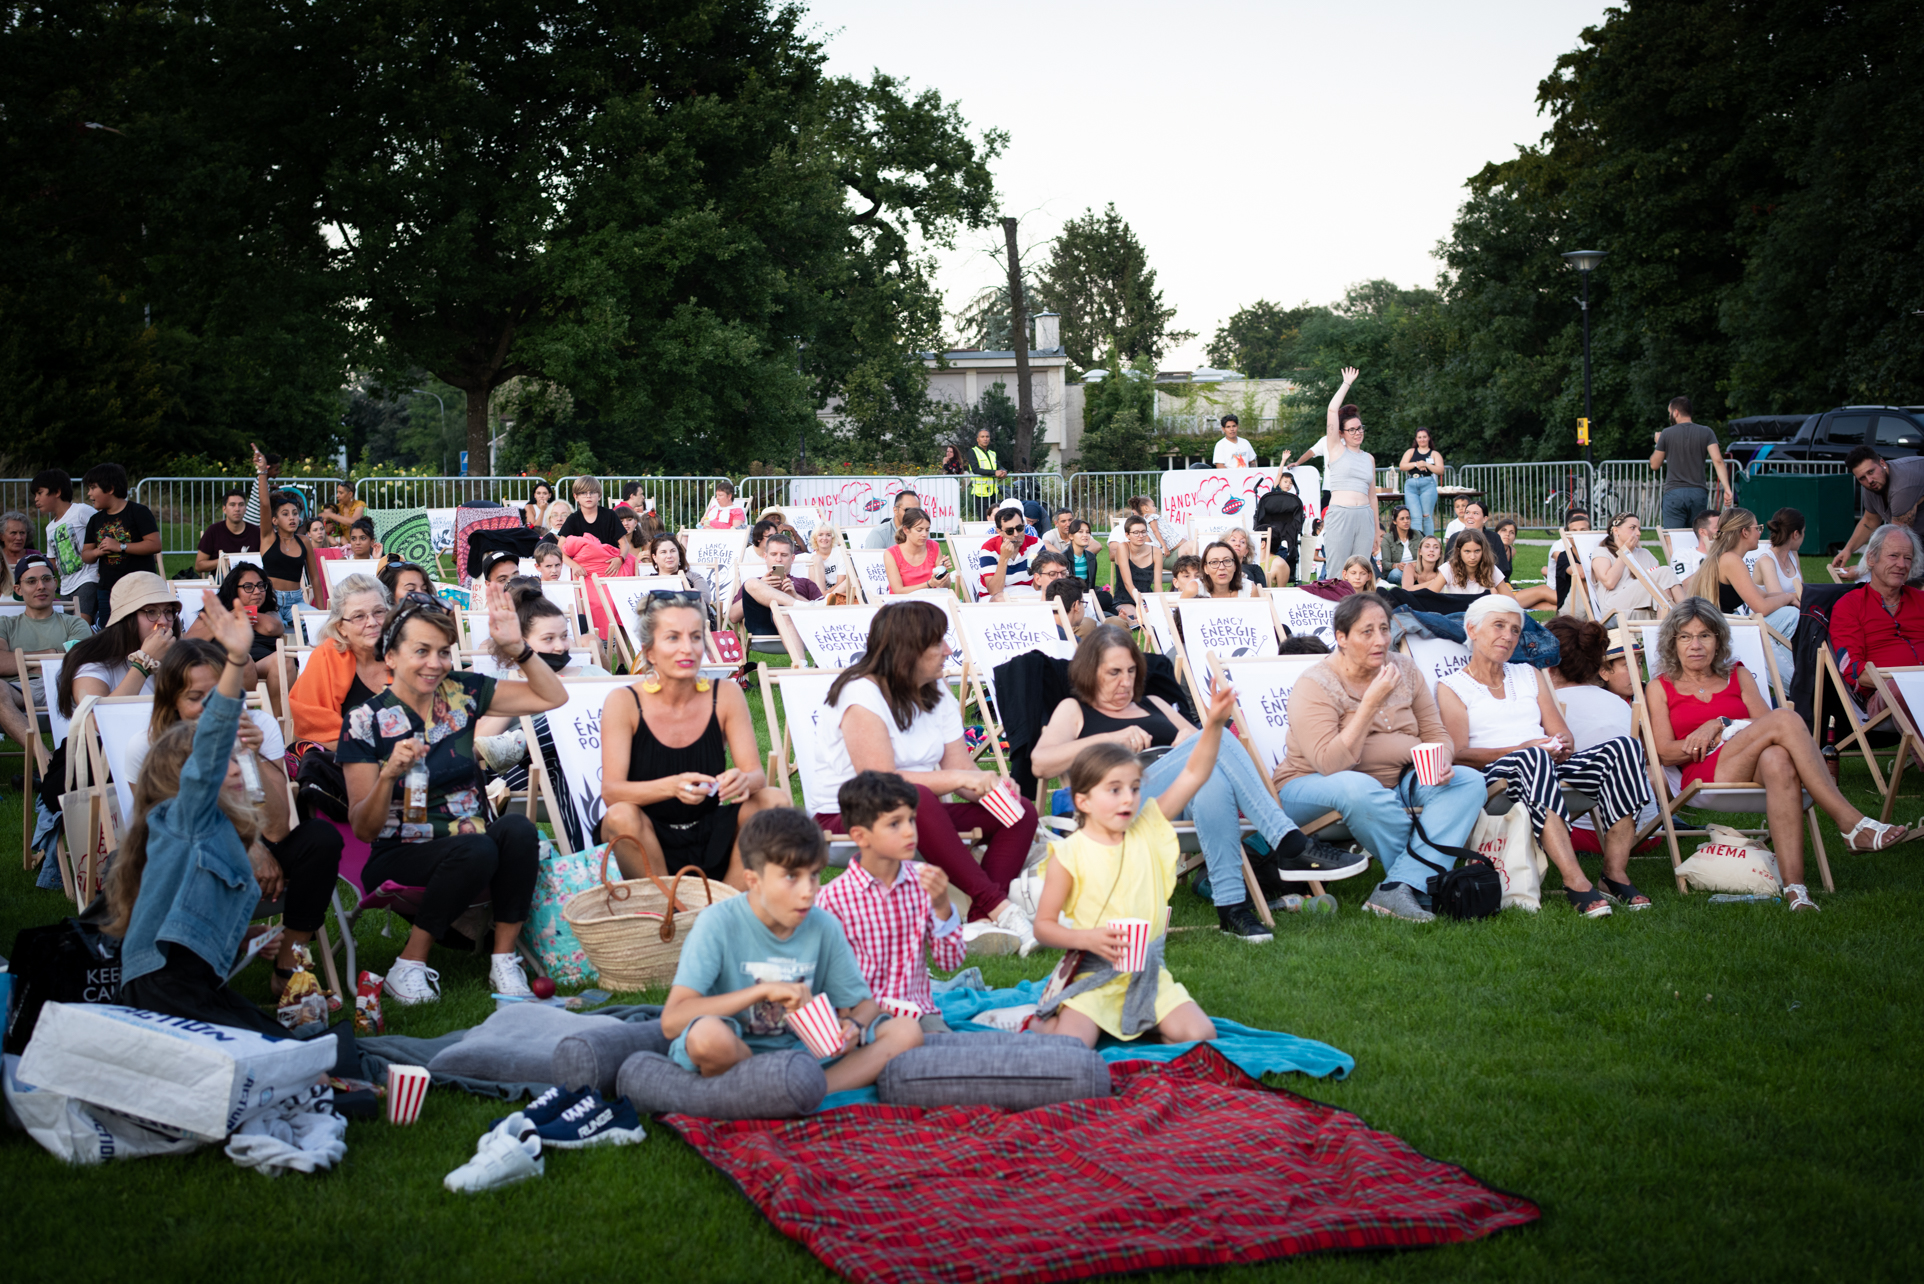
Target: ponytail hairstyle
(1091, 765)
(1610, 532)
(1735, 524)
(1785, 523)
(159, 782)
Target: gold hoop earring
(651, 684)
(702, 684)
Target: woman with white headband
(1505, 722)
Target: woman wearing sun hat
(123, 657)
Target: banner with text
(1220, 492)
(857, 503)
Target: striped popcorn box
(407, 1088)
(817, 1025)
(901, 1008)
(1003, 803)
(1429, 762)
(1135, 943)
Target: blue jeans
(1420, 494)
(1375, 816)
(1682, 505)
(287, 600)
(1236, 785)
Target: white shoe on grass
(510, 1153)
(1011, 919)
(986, 937)
(409, 983)
(506, 978)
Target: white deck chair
(795, 741)
(1748, 644)
(835, 637)
(485, 663)
(1305, 614)
(1437, 658)
(994, 633)
(307, 625)
(228, 561)
(869, 566)
(1233, 627)
(1676, 541)
(575, 728)
(708, 549)
(1581, 546)
(337, 569)
(1903, 692)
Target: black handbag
(1473, 889)
(66, 962)
(320, 786)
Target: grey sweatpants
(1347, 533)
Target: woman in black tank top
(672, 799)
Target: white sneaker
(505, 976)
(508, 1154)
(984, 937)
(1025, 892)
(1012, 919)
(409, 983)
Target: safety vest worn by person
(983, 486)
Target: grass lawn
(1696, 1092)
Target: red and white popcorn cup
(407, 1088)
(818, 1026)
(900, 1008)
(1135, 943)
(1003, 803)
(1430, 761)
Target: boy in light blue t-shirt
(754, 958)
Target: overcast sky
(1275, 150)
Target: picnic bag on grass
(1473, 889)
(1729, 862)
(632, 930)
(1510, 846)
(560, 877)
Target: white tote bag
(1730, 862)
(1509, 844)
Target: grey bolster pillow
(592, 1058)
(1012, 1071)
(769, 1085)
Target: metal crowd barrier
(679, 501)
(1758, 467)
(1628, 486)
(1539, 493)
(186, 506)
(1099, 498)
(442, 492)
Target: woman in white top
(1618, 591)
(1592, 709)
(1222, 574)
(1779, 570)
(123, 657)
(1471, 568)
(1504, 721)
(893, 711)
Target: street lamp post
(1585, 261)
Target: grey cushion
(592, 1058)
(516, 1044)
(771, 1085)
(1012, 1071)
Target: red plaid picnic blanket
(1190, 1163)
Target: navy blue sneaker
(545, 1107)
(592, 1121)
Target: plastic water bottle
(250, 770)
(1292, 903)
(1727, 898)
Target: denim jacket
(198, 890)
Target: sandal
(1624, 894)
(278, 986)
(1798, 898)
(1590, 904)
(1882, 835)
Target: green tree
(1099, 279)
(1260, 340)
(1118, 417)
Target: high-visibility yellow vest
(984, 460)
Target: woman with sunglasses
(440, 839)
(346, 669)
(1350, 524)
(403, 578)
(669, 560)
(666, 742)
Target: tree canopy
(1099, 279)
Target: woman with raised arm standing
(1349, 527)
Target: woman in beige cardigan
(1353, 720)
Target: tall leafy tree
(1260, 340)
(1099, 279)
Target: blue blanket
(1254, 1052)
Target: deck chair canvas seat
(835, 637)
(994, 633)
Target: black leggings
(460, 870)
(310, 858)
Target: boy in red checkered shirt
(895, 910)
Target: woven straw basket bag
(632, 930)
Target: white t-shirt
(1236, 454)
(920, 748)
(1455, 525)
(273, 745)
(111, 674)
(1595, 715)
(64, 539)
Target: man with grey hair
(1881, 622)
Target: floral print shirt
(455, 801)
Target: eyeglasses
(1218, 562)
(362, 617)
(160, 612)
(251, 586)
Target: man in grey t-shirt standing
(1683, 445)
(1893, 492)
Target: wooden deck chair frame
(1860, 726)
(1193, 674)
(39, 758)
(1671, 803)
(1898, 712)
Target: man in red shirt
(1881, 623)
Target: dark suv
(1896, 432)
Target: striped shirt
(893, 932)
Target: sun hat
(138, 589)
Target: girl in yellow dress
(1121, 864)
